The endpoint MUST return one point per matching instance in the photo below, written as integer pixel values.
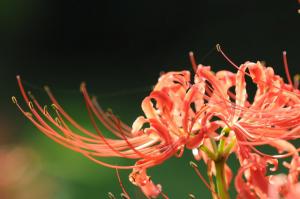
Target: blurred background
(118, 48)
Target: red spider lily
(183, 114)
(272, 118)
(258, 184)
(149, 150)
(167, 111)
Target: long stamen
(94, 109)
(101, 135)
(248, 74)
(225, 56)
(195, 167)
(108, 117)
(67, 116)
(286, 68)
(164, 195)
(121, 184)
(129, 144)
(193, 61)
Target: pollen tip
(45, 109)
(192, 196)
(46, 88)
(54, 106)
(14, 100)
(191, 53)
(124, 196)
(57, 120)
(111, 195)
(30, 105)
(193, 164)
(18, 77)
(218, 47)
(284, 52)
(82, 86)
(28, 114)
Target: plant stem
(220, 179)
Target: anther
(82, 86)
(14, 100)
(45, 110)
(193, 164)
(124, 196)
(30, 105)
(192, 196)
(46, 88)
(218, 47)
(58, 121)
(28, 114)
(111, 195)
(54, 106)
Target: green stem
(210, 154)
(229, 147)
(220, 179)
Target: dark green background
(119, 48)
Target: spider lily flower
(257, 184)
(273, 114)
(147, 150)
(180, 113)
(167, 110)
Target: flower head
(210, 114)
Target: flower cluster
(209, 114)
